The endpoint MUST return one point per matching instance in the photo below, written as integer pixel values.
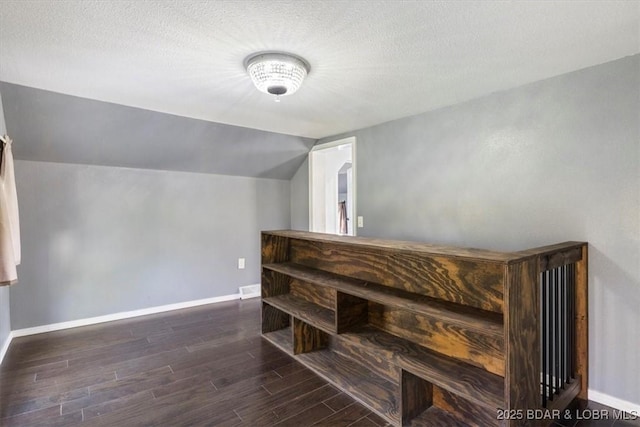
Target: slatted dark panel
(558, 332)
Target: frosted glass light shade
(277, 73)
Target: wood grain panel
(350, 311)
(306, 338)
(321, 295)
(417, 396)
(273, 319)
(275, 248)
(522, 388)
(378, 360)
(471, 347)
(582, 323)
(274, 284)
(465, 411)
(470, 282)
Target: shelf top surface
(424, 248)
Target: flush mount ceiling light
(277, 73)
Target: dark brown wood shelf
(474, 384)
(315, 315)
(427, 335)
(282, 339)
(370, 389)
(480, 321)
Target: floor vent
(251, 291)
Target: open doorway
(332, 192)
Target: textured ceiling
(372, 61)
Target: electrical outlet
(360, 222)
(240, 263)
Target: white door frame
(332, 144)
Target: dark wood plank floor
(205, 366)
(200, 366)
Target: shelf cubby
(375, 392)
(307, 338)
(276, 327)
(314, 314)
(282, 338)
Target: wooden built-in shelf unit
(432, 335)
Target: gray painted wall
(552, 161)
(53, 127)
(5, 312)
(101, 240)
(300, 198)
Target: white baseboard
(614, 402)
(118, 316)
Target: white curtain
(9, 219)
(342, 212)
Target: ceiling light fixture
(277, 73)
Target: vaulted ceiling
(371, 61)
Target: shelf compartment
(369, 356)
(320, 317)
(307, 338)
(457, 342)
(274, 283)
(351, 312)
(369, 345)
(276, 328)
(274, 319)
(472, 319)
(282, 339)
(417, 396)
(371, 390)
(320, 295)
(465, 411)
